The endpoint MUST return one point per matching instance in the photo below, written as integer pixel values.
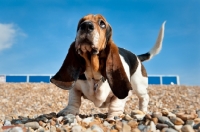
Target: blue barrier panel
(16, 79)
(36, 79)
(154, 80)
(169, 80)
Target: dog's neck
(92, 66)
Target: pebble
(86, 122)
(148, 116)
(30, 130)
(187, 128)
(76, 128)
(133, 124)
(152, 126)
(186, 117)
(40, 129)
(69, 118)
(190, 122)
(197, 120)
(137, 112)
(96, 128)
(155, 120)
(170, 114)
(33, 125)
(7, 123)
(164, 121)
(13, 128)
(126, 127)
(198, 113)
(196, 126)
(165, 112)
(176, 121)
(156, 114)
(118, 125)
(161, 126)
(106, 124)
(53, 129)
(139, 117)
(168, 130)
(127, 117)
(141, 127)
(16, 129)
(178, 127)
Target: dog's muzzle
(85, 38)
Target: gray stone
(169, 130)
(190, 122)
(96, 128)
(7, 123)
(141, 127)
(33, 125)
(40, 129)
(69, 118)
(76, 128)
(196, 126)
(198, 113)
(165, 120)
(161, 126)
(16, 129)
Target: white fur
(139, 84)
(95, 39)
(158, 45)
(126, 67)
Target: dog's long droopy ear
(115, 72)
(70, 70)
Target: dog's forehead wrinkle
(93, 17)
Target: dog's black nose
(87, 26)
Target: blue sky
(35, 35)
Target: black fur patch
(82, 77)
(144, 57)
(130, 58)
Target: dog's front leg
(116, 107)
(73, 104)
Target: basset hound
(101, 72)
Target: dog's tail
(157, 47)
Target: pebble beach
(32, 107)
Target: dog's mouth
(84, 45)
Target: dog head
(93, 33)
(94, 39)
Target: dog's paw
(68, 110)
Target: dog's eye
(102, 24)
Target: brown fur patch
(95, 62)
(143, 70)
(72, 67)
(115, 72)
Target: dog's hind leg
(139, 82)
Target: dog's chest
(99, 94)
(97, 88)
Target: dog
(96, 69)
